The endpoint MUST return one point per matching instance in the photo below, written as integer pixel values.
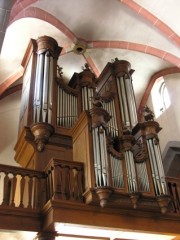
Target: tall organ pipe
(47, 54)
(131, 101)
(100, 117)
(39, 84)
(142, 177)
(66, 106)
(100, 157)
(112, 124)
(131, 173)
(45, 87)
(50, 90)
(87, 94)
(35, 91)
(156, 167)
(126, 101)
(116, 172)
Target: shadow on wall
(171, 159)
(9, 120)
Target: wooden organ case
(94, 122)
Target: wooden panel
(82, 148)
(76, 213)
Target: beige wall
(9, 120)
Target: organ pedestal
(93, 121)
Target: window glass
(160, 97)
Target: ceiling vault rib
(160, 25)
(136, 47)
(10, 80)
(47, 17)
(19, 6)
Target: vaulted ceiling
(143, 32)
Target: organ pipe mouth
(80, 47)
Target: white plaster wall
(169, 120)
(9, 120)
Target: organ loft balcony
(85, 158)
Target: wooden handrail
(22, 171)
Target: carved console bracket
(134, 197)
(103, 194)
(100, 117)
(41, 133)
(163, 202)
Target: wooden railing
(65, 180)
(174, 192)
(21, 187)
(61, 179)
(27, 188)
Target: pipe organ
(94, 120)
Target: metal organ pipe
(112, 124)
(35, 91)
(66, 107)
(156, 167)
(114, 117)
(51, 77)
(131, 102)
(131, 173)
(134, 112)
(160, 166)
(97, 160)
(100, 157)
(39, 83)
(87, 93)
(45, 87)
(116, 172)
(120, 101)
(142, 177)
(126, 101)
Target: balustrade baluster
(50, 178)
(22, 185)
(60, 180)
(6, 190)
(37, 192)
(175, 196)
(71, 182)
(80, 183)
(13, 190)
(65, 182)
(30, 187)
(55, 183)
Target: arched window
(160, 97)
